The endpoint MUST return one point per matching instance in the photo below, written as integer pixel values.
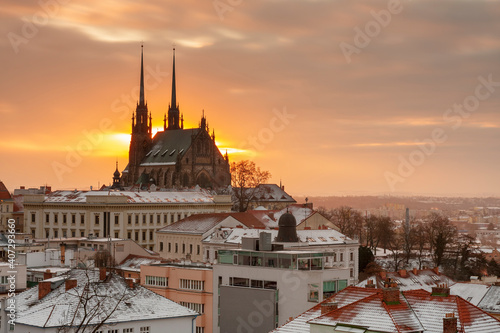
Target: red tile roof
(418, 310)
(4, 193)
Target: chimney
(450, 323)
(402, 273)
(441, 290)
(70, 284)
(370, 284)
(130, 283)
(22, 187)
(44, 288)
(328, 306)
(47, 274)
(436, 270)
(391, 294)
(415, 271)
(102, 273)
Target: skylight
(149, 153)
(172, 152)
(163, 154)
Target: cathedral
(175, 157)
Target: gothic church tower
(141, 141)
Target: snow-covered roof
(271, 217)
(424, 279)
(269, 192)
(59, 306)
(157, 197)
(417, 310)
(491, 300)
(201, 223)
(311, 237)
(471, 292)
(133, 263)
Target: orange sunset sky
(332, 97)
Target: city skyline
(329, 96)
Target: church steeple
(141, 141)
(173, 109)
(173, 102)
(141, 94)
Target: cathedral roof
(168, 144)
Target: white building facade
(260, 290)
(126, 215)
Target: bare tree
(245, 179)
(442, 234)
(409, 241)
(349, 221)
(95, 303)
(421, 241)
(385, 232)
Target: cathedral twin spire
(173, 109)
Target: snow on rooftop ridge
(58, 307)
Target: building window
(144, 329)
(169, 247)
(150, 235)
(161, 246)
(117, 218)
(143, 235)
(82, 219)
(190, 248)
(128, 330)
(198, 249)
(73, 233)
(158, 219)
(171, 218)
(144, 219)
(33, 217)
(192, 284)
(116, 234)
(351, 256)
(82, 233)
(112, 331)
(137, 235)
(157, 281)
(176, 248)
(165, 219)
(73, 218)
(65, 218)
(183, 248)
(151, 219)
(200, 329)
(129, 219)
(200, 308)
(56, 234)
(341, 257)
(47, 218)
(129, 235)
(96, 219)
(137, 219)
(352, 272)
(208, 254)
(55, 218)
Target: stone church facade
(175, 157)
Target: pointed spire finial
(173, 102)
(141, 94)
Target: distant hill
(414, 203)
